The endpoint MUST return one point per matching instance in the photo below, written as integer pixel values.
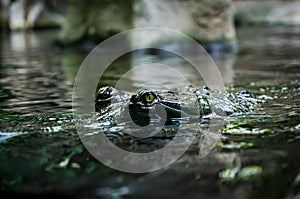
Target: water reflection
(41, 75)
(173, 72)
(31, 71)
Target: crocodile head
(146, 105)
(171, 107)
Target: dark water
(41, 152)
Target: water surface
(41, 152)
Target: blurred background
(50, 39)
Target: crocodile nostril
(105, 93)
(104, 96)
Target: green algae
(8, 118)
(247, 131)
(91, 167)
(4, 94)
(238, 173)
(235, 145)
(64, 161)
(12, 182)
(297, 180)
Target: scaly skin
(184, 103)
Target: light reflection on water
(40, 75)
(31, 70)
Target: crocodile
(170, 106)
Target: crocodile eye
(144, 98)
(149, 97)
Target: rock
(267, 12)
(25, 14)
(204, 20)
(3, 13)
(16, 15)
(95, 20)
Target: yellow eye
(149, 98)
